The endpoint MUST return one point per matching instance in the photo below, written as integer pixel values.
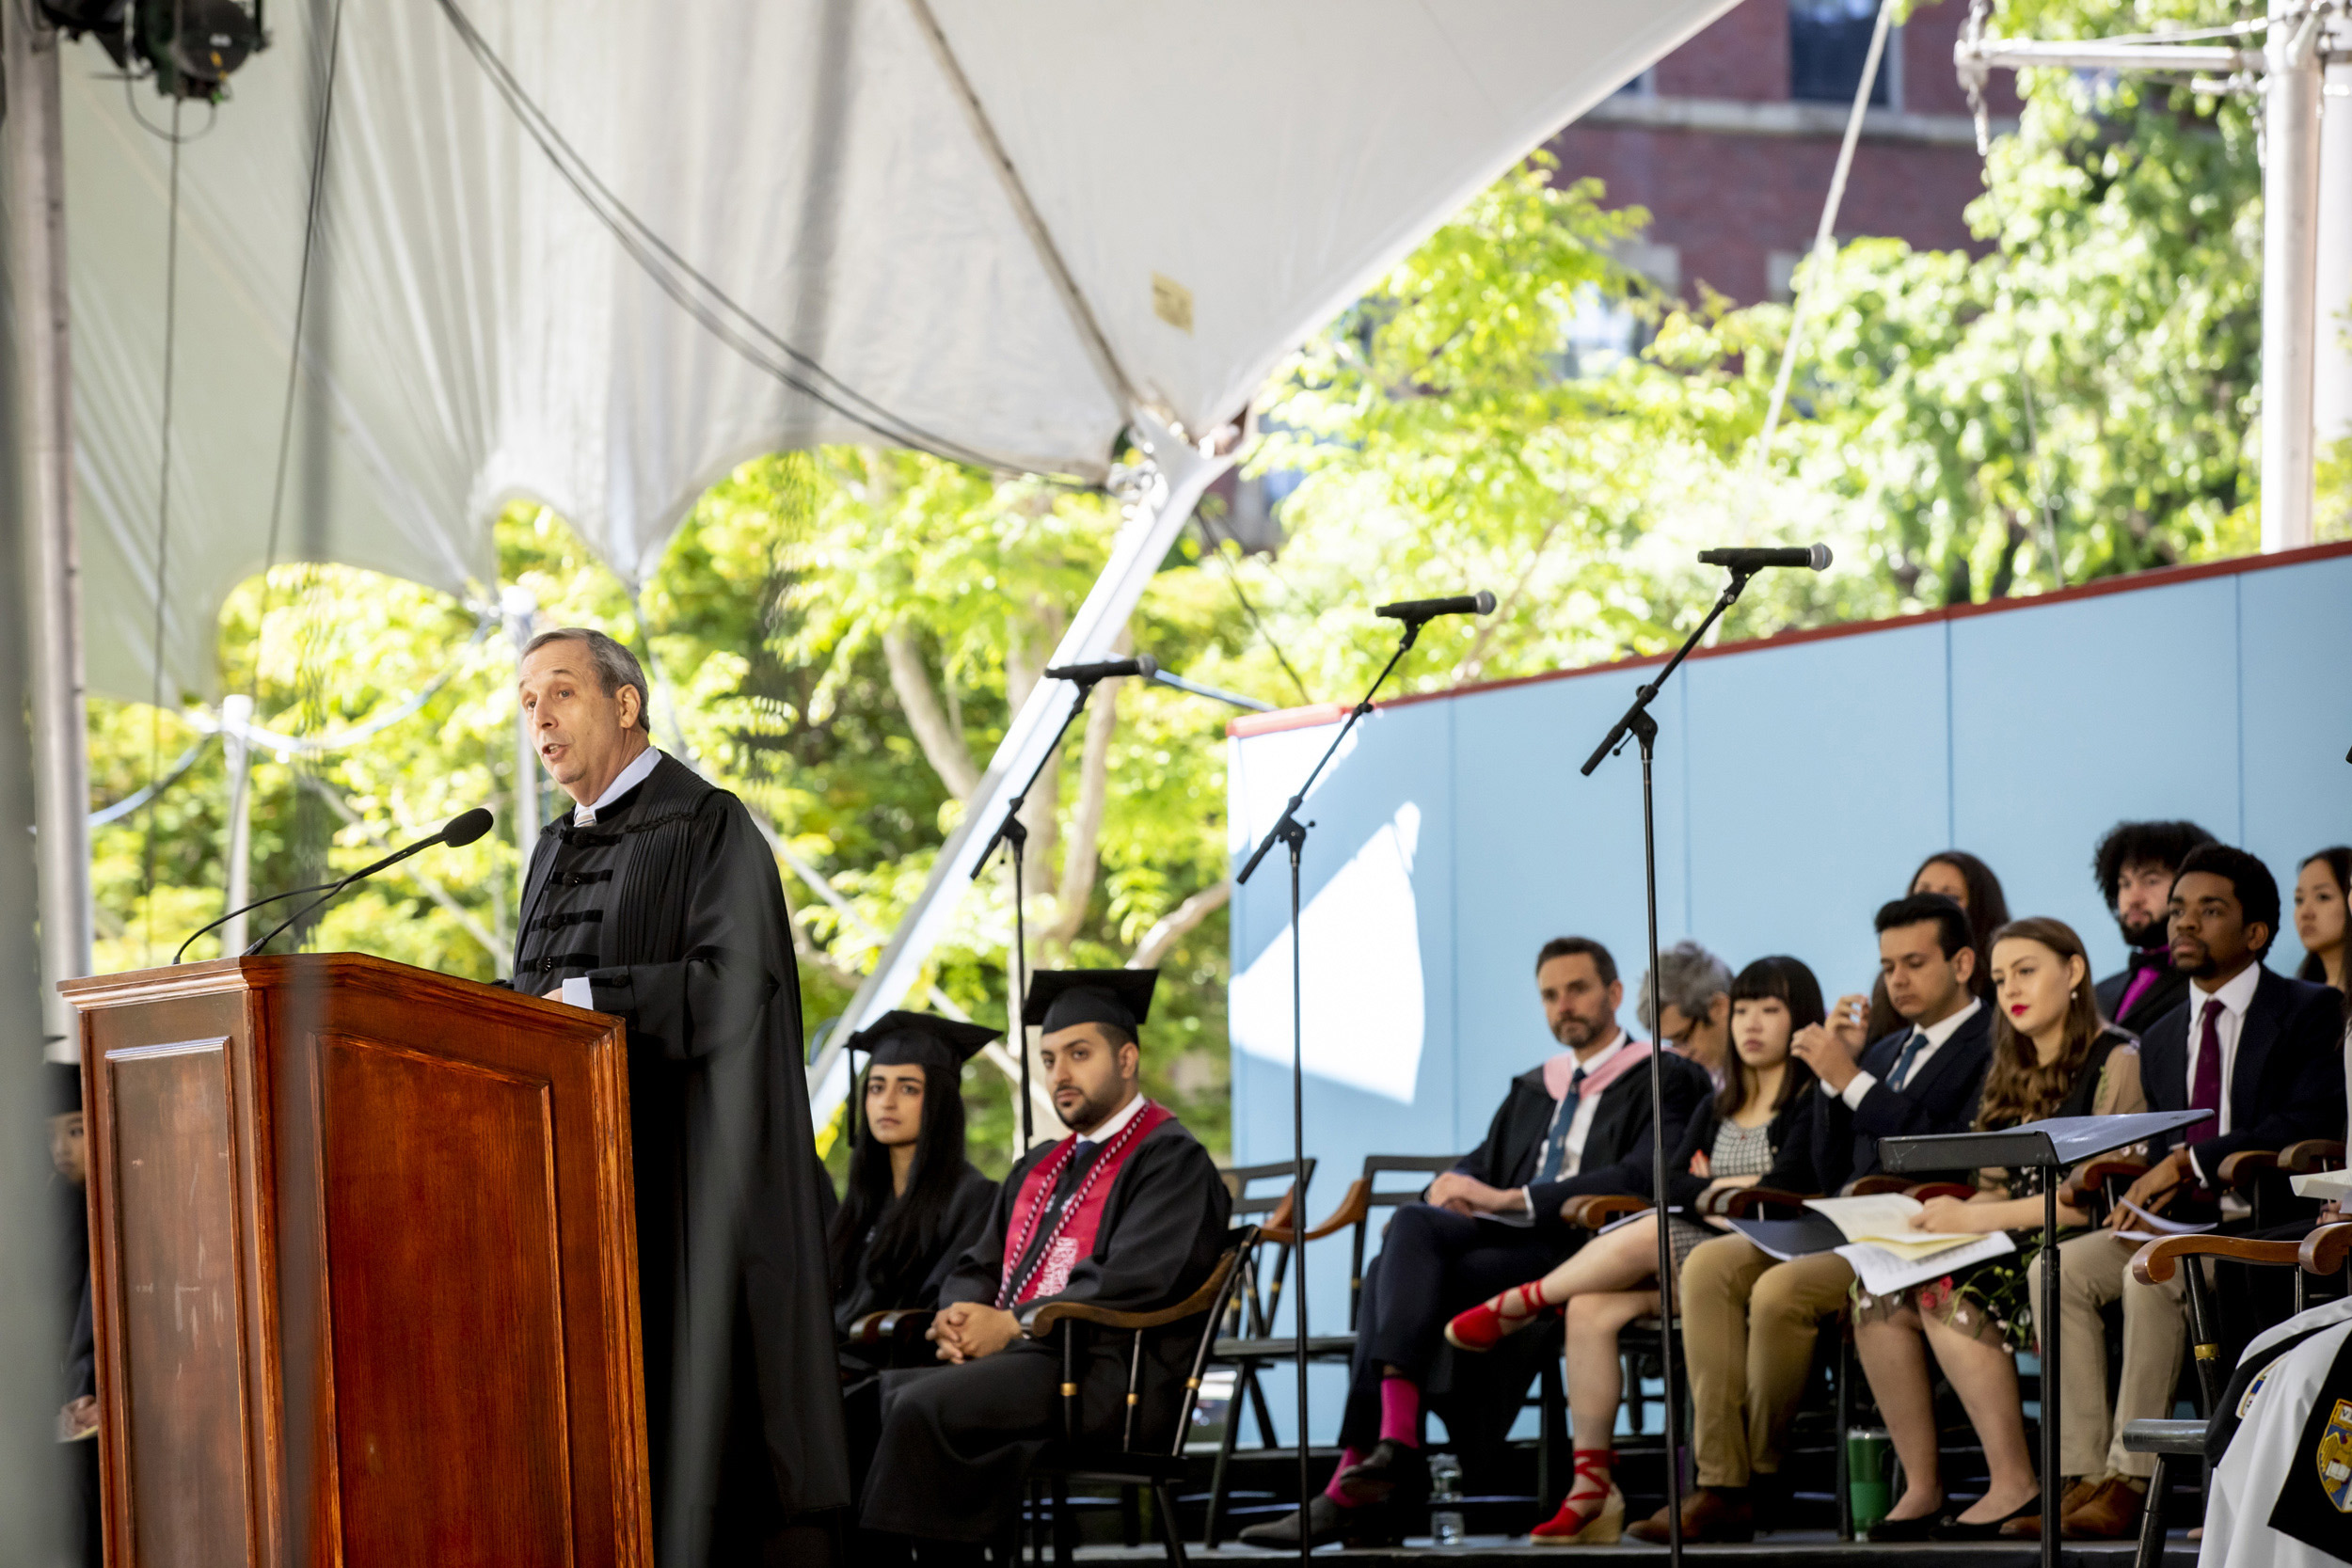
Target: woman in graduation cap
(1127, 1213)
(915, 1204)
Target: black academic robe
(670, 907)
(864, 1289)
(1617, 1156)
(2157, 1000)
(957, 1441)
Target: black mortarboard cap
(1061, 997)
(921, 1040)
(63, 1079)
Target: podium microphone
(1811, 557)
(1415, 612)
(461, 830)
(1142, 666)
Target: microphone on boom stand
(1414, 611)
(1011, 831)
(1143, 666)
(1811, 557)
(462, 828)
(1641, 725)
(1289, 830)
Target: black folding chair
(1262, 1340)
(1075, 1458)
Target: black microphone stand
(1639, 725)
(1288, 830)
(1014, 833)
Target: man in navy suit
(2260, 1052)
(1748, 1322)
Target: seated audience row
(1996, 1021)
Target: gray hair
(616, 667)
(1690, 977)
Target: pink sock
(1400, 1411)
(1347, 1457)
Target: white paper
(579, 993)
(2323, 1183)
(2153, 1227)
(1884, 1273)
(1887, 1218)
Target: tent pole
(2331, 393)
(521, 609)
(2291, 140)
(1171, 487)
(43, 398)
(236, 750)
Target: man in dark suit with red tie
(2258, 1052)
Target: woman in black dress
(914, 1203)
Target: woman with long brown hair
(2053, 1055)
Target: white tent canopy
(1186, 191)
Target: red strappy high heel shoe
(1483, 1327)
(1588, 1519)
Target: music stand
(2048, 1146)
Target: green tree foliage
(2101, 358)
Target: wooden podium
(365, 1276)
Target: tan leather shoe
(2111, 1513)
(1709, 1514)
(2077, 1492)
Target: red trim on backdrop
(2164, 577)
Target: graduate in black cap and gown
(1128, 1211)
(915, 1204)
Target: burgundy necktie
(2205, 1085)
(2148, 966)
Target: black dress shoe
(1324, 1523)
(1921, 1528)
(1393, 1472)
(1950, 1529)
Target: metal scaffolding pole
(2291, 68)
(43, 392)
(2331, 389)
(2291, 108)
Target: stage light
(189, 46)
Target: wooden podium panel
(365, 1270)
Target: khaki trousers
(1748, 1326)
(2093, 1271)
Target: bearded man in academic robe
(656, 900)
(1127, 1213)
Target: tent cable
(694, 291)
(162, 535)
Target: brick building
(1730, 140)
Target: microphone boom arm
(1637, 717)
(1288, 824)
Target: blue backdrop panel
(1798, 785)
(1819, 781)
(2049, 749)
(2295, 707)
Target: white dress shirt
(1936, 1034)
(630, 777)
(2235, 995)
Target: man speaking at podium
(657, 901)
